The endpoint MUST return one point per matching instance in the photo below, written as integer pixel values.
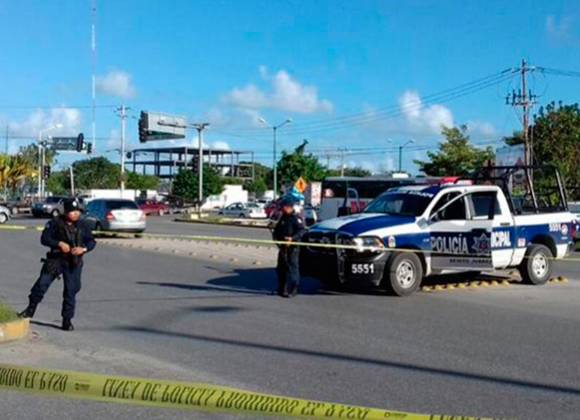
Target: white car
(242, 210)
(4, 214)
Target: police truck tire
(404, 275)
(536, 268)
(3, 218)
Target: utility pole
(401, 153)
(123, 114)
(342, 161)
(525, 99)
(72, 180)
(200, 127)
(6, 153)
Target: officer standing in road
(289, 228)
(68, 239)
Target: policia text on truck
(497, 220)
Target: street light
(41, 157)
(274, 131)
(401, 154)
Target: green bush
(7, 313)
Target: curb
(14, 330)
(238, 224)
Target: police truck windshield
(409, 203)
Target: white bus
(348, 195)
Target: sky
(357, 78)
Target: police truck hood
(361, 223)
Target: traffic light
(89, 148)
(195, 164)
(80, 142)
(129, 155)
(143, 127)
(46, 172)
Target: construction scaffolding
(166, 162)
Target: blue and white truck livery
(411, 232)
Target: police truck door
(491, 207)
(457, 240)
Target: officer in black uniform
(289, 228)
(68, 239)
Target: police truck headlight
(368, 244)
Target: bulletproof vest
(72, 235)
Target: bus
(349, 195)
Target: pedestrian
(68, 238)
(289, 228)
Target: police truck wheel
(404, 274)
(536, 268)
(55, 213)
(3, 218)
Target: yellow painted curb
(505, 283)
(438, 287)
(426, 288)
(461, 285)
(474, 284)
(485, 284)
(14, 330)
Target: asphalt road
(509, 352)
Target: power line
(50, 107)
(392, 111)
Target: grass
(7, 313)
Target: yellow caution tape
(185, 395)
(269, 242)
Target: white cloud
(68, 118)
(116, 83)
(424, 118)
(284, 94)
(220, 145)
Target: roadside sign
(157, 126)
(63, 143)
(301, 185)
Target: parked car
(50, 207)
(250, 210)
(4, 214)
(117, 215)
(150, 207)
(272, 209)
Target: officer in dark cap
(289, 228)
(68, 239)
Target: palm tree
(14, 170)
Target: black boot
(67, 325)
(28, 312)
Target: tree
(135, 181)
(96, 173)
(356, 171)
(15, 170)
(555, 138)
(455, 156)
(58, 183)
(186, 183)
(294, 165)
(257, 187)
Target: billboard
(158, 126)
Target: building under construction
(166, 162)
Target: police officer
(68, 239)
(289, 228)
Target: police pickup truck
(411, 232)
